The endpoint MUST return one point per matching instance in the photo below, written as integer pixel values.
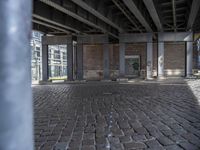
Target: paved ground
(150, 116)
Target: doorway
(132, 66)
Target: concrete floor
(138, 115)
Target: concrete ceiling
(115, 16)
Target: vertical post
(16, 112)
(149, 57)
(70, 60)
(122, 59)
(79, 61)
(106, 70)
(160, 59)
(45, 65)
(189, 63)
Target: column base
(161, 77)
(122, 79)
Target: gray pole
(122, 47)
(79, 61)
(189, 60)
(106, 62)
(160, 59)
(70, 60)
(16, 112)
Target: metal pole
(16, 112)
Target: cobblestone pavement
(102, 116)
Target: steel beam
(193, 13)
(93, 39)
(153, 13)
(133, 8)
(174, 14)
(127, 16)
(55, 23)
(50, 26)
(96, 13)
(134, 37)
(175, 36)
(74, 15)
(16, 110)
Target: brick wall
(174, 59)
(93, 62)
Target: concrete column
(106, 64)
(149, 60)
(160, 59)
(70, 61)
(189, 63)
(122, 47)
(45, 66)
(16, 107)
(79, 61)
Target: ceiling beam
(193, 13)
(174, 14)
(133, 8)
(50, 26)
(96, 13)
(55, 23)
(74, 15)
(126, 14)
(153, 13)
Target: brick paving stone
(134, 145)
(154, 144)
(173, 147)
(162, 115)
(165, 140)
(188, 146)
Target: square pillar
(122, 59)
(189, 59)
(149, 59)
(70, 61)
(106, 64)
(160, 59)
(45, 66)
(149, 56)
(79, 61)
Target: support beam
(189, 61)
(106, 64)
(116, 2)
(193, 13)
(45, 65)
(70, 61)
(153, 13)
(174, 14)
(55, 23)
(133, 8)
(74, 15)
(79, 61)
(16, 110)
(160, 59)
(96, 13)
(122, 47)
(149, 57)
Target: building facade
(57, 59)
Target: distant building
(57, 58)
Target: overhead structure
(152, 11)
(114, 17)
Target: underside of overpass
(144, 52)
(120, 38)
